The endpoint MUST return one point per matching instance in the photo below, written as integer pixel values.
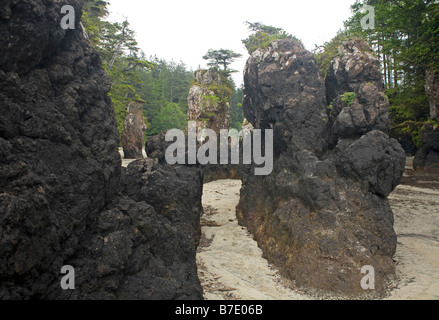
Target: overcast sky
(186, 29)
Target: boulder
(278, 80)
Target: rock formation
(132, 233)
(64, 199)
(322, 214)
(134, 132)
(428, 156)
(208, 100)
(209, 106)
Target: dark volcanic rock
(371, 158)
(174, 191)
(60, 196)
(357, 104)
(428, 156)
(322, 214)
(144, 249)
(156, 149)
(277, 82)
(134, 132)
(59, 164)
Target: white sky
(186, 30)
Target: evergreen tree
(94, 13)
(167, 82)
(169, 117)
(222, 58)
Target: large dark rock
(372, 158)
(322, 214)
(143, 244)
(155, 147)
(59, 164)
(61, 200)
(357, 104)
(278, 81)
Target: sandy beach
(415, 204)
(231, 266)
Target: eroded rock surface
(64, 199)
(208, 100)
(322, 214)
(134, 132)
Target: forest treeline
(162, 86)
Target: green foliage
(413, 129)
(408, 104)
(94, 11)
(409, 111)
(169, 117)
(223, 90)
(121, 58)
(168, 82)
(263, 35)
(208, 99)
(348, 98)
(331, 106)
(225, 95)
